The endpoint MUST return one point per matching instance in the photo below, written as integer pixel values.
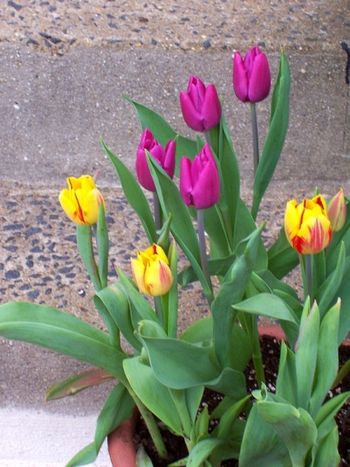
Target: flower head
(251, 76)
(200, 180)
(151, 271)
(337, 210)
(200, 105)
(81, 200)
(164, 156)
(307, 226)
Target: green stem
(151, 426)
(207, 138)
(158, 308)
(202, 246)
(157, 211)
(85, 247)
(255, 136)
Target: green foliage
(276, 134)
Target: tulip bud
(200, 105)
(81, 200)
(337, 210)
(200, 180)
(251, 76)
(151, 271)
(307, 226)
(164, 157)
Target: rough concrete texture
(64, 68)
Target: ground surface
(64, 67)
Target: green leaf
(276, 134)
(282, 257)
(116, 303)
(76, 383)
(306, 354)
(224, 428)
(326, 454)
(86, 251)
(142, 308)
(328, 292)
(117, 408)
(231, 291)
(327, 358)
(201, 451)
(62, 332)
(216, 267)
(265, 304)
(154, 395)
(286, 377)
(220, 224)
(178, 364)
(171, 297)
(102, 246)
(200, 331)
(181, 226)
(261, 445)
(133, 194)
(113, 330)
(162, 131)
(245, 225)
(328, 411)
(294, 426)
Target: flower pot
(121, 446)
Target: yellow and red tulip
(151, 271)
(337, 210)
(81, 200)
(307, 225)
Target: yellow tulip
(81, 200)
(151, 271)
(337, 210)
(307, 226)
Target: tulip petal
(211, 109)
(190, 114)
(142, 171)
(170, 158)
(158, 278)
(260, 79)
(186, 180)
(206, 192)
(240, 80)
(138, 271)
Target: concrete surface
(64, 67)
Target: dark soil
(270, 349)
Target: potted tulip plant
(164, 373)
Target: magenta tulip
(200, 105)
(164, 157)
(251, 76)
(200, 180)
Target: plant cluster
(165, 374)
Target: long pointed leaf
(61, 332)
(77, 383)
(133, 194)
(276, 134)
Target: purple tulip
(200, 105)
(164, 157)
(251, 76)
(200, 180)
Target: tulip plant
(164, 372)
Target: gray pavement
(64, 67)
